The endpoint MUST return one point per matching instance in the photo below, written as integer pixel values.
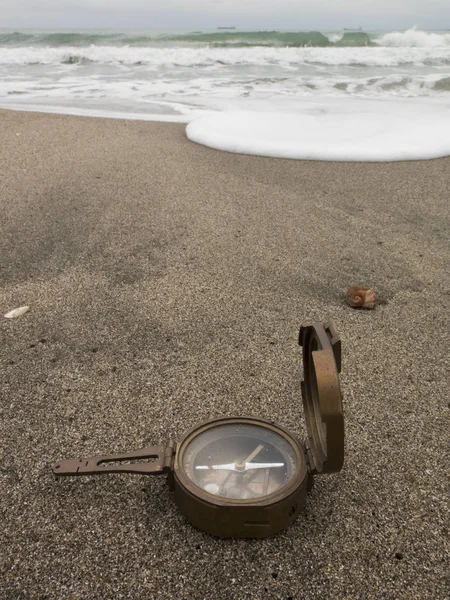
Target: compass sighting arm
(153, 460)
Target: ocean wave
(214, 92)
(414, 38)
(179, 74)
(232, 39)
(289, 58)
(442, 85)
(253, 38)
(18, 38)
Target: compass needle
(256, 451)
(235, 466)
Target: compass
(245, 476)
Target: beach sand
(167, 283)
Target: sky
(248, 14)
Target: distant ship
(358, 29)
(226, 28)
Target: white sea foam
(382, 56)
(102, 113)
(352, 130)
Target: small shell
(12, 314)
(361, 297)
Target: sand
(167, 283)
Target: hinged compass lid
(321, 395)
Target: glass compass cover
(239, 461)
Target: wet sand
(167, 282)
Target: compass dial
(240, 461)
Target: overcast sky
(249, 14)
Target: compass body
(240, 477)
(244, 476)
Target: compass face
(240, 461)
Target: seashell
(361, 297)
(13, 314)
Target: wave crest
(414, 38)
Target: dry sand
(167, 282)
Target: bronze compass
(245, 476)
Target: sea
(180, 75)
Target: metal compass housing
(245, 476)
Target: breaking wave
(209, 56)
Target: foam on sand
(353, 130)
